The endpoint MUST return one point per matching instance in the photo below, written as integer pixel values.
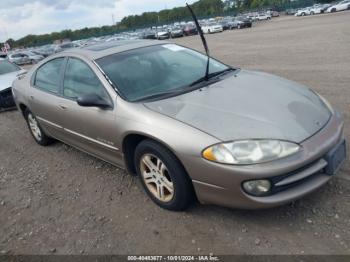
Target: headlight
(246, 152)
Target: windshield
(7, 67)
(148, 71)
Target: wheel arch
(129, 144)
(22, 108)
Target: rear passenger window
(48, 76)
(79, 80)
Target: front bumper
(297, 175)
(216, 30)
(6, 99)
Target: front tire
(36, 131)
(162, 176)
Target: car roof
(99, 50)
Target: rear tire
(162, 176)
(35, 129)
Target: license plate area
(335, 158)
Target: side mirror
(93, 100)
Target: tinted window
(48, 76)
(148, 71)
(7, 67)
(80, 80)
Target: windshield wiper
(159, 95)
(210, 76)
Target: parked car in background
(291, 11)
(263, 16)
(248, 139)
(252, 18)
(149, 34)
(303, 12)
(226, 24)
(273, 13)
(3, 55)
(190, 29)
(45, 51)
(66, 46)
(19, 58)
(162, 34)
(211, 28)
(341, 6)
(242, 22)
(316, 9)
(33, 58)
(176, 31)
(8, 73)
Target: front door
(92, 129)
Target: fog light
(257, 187)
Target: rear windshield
(7, 67)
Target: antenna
(204, 41)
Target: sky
(19, 18)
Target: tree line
(203, 9)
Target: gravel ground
(59, 200)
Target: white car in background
(212, 28)
(261, 17)
(8, 73)
(303, 12)
(33, 58)
(341, 6)
(316, 9)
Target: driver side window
(79, 80)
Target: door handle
(32, 97)
(62, 107)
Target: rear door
(91, 129)
(45, 96)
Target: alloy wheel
(34, 127)
(156, 177)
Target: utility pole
(113, 20)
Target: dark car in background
(242, 22)
(227, 24)
(190, 29)
(291, 11)
(3, 55)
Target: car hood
(7, 79)
(249, 105)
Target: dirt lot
(59, 200)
